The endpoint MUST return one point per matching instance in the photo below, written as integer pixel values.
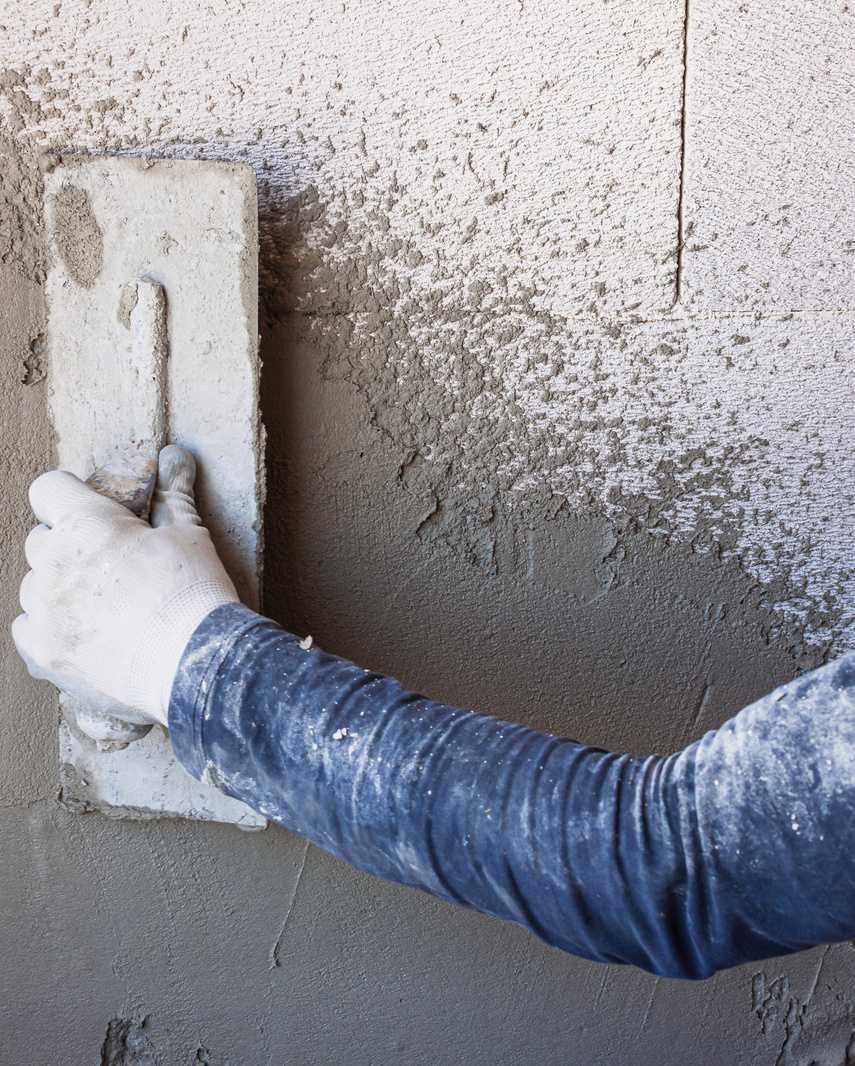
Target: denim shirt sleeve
(740, 847)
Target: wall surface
(558, 305)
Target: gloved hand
(111, 601)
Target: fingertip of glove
(59, 494)
(50, 490)
(176, 469)
(19, 629)
(52, 481)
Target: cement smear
(79, 239)
(126, 1045)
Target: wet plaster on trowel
(80, 242)
(475, 372)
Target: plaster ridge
(649, 1008)
(702, 702)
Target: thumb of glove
(173, 502)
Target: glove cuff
(156, 659)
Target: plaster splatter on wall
(731, 435)
(499, 245)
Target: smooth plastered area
(557, 314)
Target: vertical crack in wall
(681, 225)
(276, 950)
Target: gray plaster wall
(557, 305)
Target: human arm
(738, 848)
(681, 865)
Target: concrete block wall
(557, 328)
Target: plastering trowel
(153, 337)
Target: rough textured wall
(558, 344)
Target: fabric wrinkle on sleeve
(610, 857)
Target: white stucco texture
(485, 132)
(588, 205)
(769, 194)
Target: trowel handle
(130, 477)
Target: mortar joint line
(676, 315)
(681, 230)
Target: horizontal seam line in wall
(628, 320)
(14, 804)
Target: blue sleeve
(740, 847)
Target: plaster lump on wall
(79, 240)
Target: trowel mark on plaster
(649, 1007)
(702, 702)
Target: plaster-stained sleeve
(738, 848)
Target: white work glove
(111, 601)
